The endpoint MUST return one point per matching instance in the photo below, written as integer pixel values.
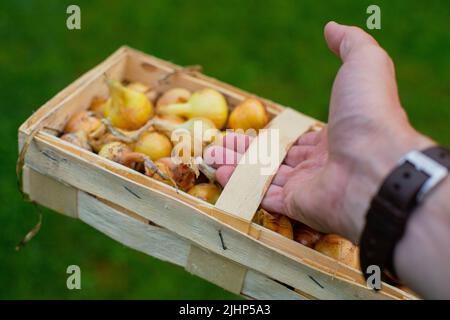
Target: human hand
(328, 178)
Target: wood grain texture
(251, 178)
(165, 245)
(50, 193)
(216, 269)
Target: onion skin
(188, 137)
(143, 88)
(138, 86)
(180, 173)
(168, 125)
(154, 144)
(275, 222)
(164, 168)
(115, 151)
(208, 192)
(78, 138)
(169, 120)
(174, 95)
(128, 109)
(98, 143)
(205, 103)
(339, 248)
(97, 106)
(250, 114)
(306, 235)
(83, 121)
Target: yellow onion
(205, 103)
(128, 109)
(122, 153)
(250, 114)
(107, 133)
(180, 174)
(208, 192)
(168, 125)
(168, 119)
(338, 248)
(154, 144)
(97, 106)
(174, 95)
(306, 235)
(167, 176)
(143, 88)
(98, 142)
(115, 151)
(83, 121)
(138, 86)
(275, 222)
(188, 137)
(78, 138)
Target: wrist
(422, 253)
(369, 172)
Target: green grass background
(272, 48)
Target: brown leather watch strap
(396, 199)
(439, 154)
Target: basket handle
(250, 180)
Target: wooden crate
(218, 243)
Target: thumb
(366, 84)
(345, 41)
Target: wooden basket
(218, 243)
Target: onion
(98, 143)
(168, 119)
(208, 192)
(128, 109)
(189, 137)
(143, 88)
(154, 144)
(339, 248)
(179, 174)
(138, 86)
(206, 103)
(168, 125)
(121, 153)
(306, 235)
(174, 95)
(250, 114)
(97, 106)
(115, 151)
(275, 222)
(83, 121)
(78, 138)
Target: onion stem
(148, 163)
(133, 137)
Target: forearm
(422, 257)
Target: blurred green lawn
(272, 48)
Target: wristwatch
(408, 184)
